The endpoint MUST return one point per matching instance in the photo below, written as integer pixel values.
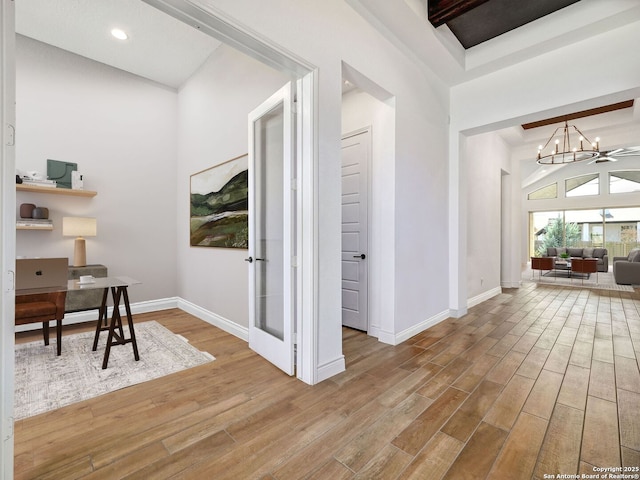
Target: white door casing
(356, 150)
(7, 235)
(271, 230)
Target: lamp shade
(79, 227)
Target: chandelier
(568, 147)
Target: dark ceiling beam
(584, 113)
(442, 11)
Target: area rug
(44, 381)
(602, 281)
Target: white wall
(360, 110)
(529, 91)
(212, 128)
(324, 34)
(120, 130)
(486, 157)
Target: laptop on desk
(41, 273)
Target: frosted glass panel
(269, 244)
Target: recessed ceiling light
(119, 34)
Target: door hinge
(11, 135)
(294, 261)
(9, 422)
(10, 281)
(294, 184)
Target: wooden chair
(586, 266)
(42, 307)
(541, 263)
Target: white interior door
(271, 325)
(355, 161)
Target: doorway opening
(305, 77)
(368, 198)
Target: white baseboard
(92, 315)
(472, 302)
(214, 319)
(153, 306)
(395, 339)
(330, 369)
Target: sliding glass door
(616, 229)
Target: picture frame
(219, 205)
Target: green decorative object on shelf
(61, 172)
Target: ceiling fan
(614, 155)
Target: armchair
(626, 270)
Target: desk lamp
(79, 227)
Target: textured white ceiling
(159, 47)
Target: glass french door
(271, 297)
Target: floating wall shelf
(55, 191)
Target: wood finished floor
(539, 380)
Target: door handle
(261, 259)
(250, 259)
(362, 256)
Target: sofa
(600, 254)
(626, 270)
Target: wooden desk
(118, 287)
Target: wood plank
(603, 349)
(601, 441)
(477, 457)
(533, 363)
(441, 382)
(629, 414)
(517, 458)
(575, 386)
(332, 469)
(389, 463)
(464, 422)
(469, 380)
(630, 458)
(507, 406)
(434, 460)
(543, 395)
(627, 374)
(558, 358)
(420, 431)
(581, 354)
(560, 452)
(505, 369)
(357, 453)
(602, 383)
(623, 346)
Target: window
(544, 232)
(549, 191)
(622, 227)
(583, 185)
(624, 181)
(616, 229)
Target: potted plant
(564, 255)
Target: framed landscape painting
(220, 205)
